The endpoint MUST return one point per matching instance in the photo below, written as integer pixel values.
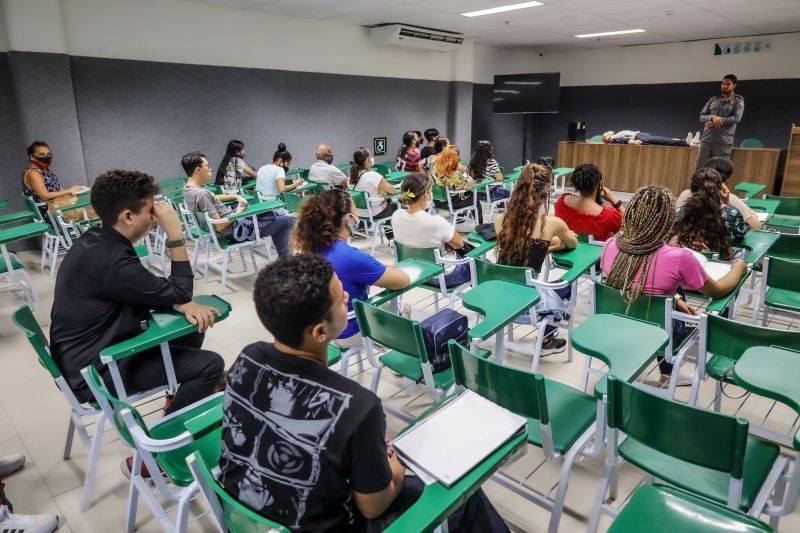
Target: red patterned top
(601, 226)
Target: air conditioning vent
(404, 35)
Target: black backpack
(437, 330)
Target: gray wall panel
(12, 145)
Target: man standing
(719, 117)
(322, 170)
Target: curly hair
(531, 192)
(319, 220)
(586, 178)
(646, 226)
(477, 163)
(448, 160)
(115, 190)
(700, 220)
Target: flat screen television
(526, 93)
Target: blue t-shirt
(358, 271)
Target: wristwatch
(175, 244)
(616, 204)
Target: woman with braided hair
(640, 252)
(526, 233)
(587, 212)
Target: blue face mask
(329, 159)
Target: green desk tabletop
(759, 204)
(257, 209)
(482, 245)
(249, 186)
(749, 189)
(562, 171)
(162, 327)
(610, 338)
(500, 302)
(718, 305)
(419, 271)
(396, 176)
(757, 243)
(16, 216)
(24, 231)
(84, 200)
(578, 260)
(437, 502)
(307, 186)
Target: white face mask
(352, 227)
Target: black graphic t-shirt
(298, 439)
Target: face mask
(329, 159)
(43, 160)
(352, 227)
(371, 161)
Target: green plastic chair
(53, 244)
(432, 255)
(707, 453)
(751, 142)
(230, 515)
(406, 353)
(657, 310)
(486, 271)
(162, 447)
(377, 227)
(560, 419)
(226, 247)
(294, 201)
(443, 195)
(668, 509)
(789, 207)
(25, 320)
(171, 185)
(780, 287)
(725, 342)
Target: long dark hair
(408, 141)
(477, 163)
(360, 158)
(281, 153)
(531, 191)
(233, 149)
(701, 219)
(319, 220)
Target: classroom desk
(577, 261)
(749, 190)
(761, 204)
(257, 208)
(757, 243)
(626, 167)
(16, 216)
(18, 233)
(162, 327)
(482, 245)
(419, 271)
(437, 502)
(396, 176)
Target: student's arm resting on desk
(385, 187)
(393, 278)
(35, 181)
(280, 183)
(728, 282)
(375, 477)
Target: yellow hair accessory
(409, 194)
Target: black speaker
(576, 132)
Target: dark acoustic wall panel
(12, 145)
(504, 131)
(145, 115)
(667, 109)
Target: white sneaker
(689, 138)
(26, 523)
(696, 137)
(684, 379)
(11, 463)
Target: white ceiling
(553, 25)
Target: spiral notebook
(455, 438)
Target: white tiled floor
(34, 418)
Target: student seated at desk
(725, 167)
(483, 167)
(643, 137)
(449, 174)
(303, 445)
(322, 170)
(408, 156)
(104, 295)
(431, 134)
(640, 251)
(373, 184)
(200, 200)
(416, 228)
(429, 162)
(324, 224)
(526, 234)
(41, 183)
(586, 212)
(233, 170)
(704, 223)
(271, 178)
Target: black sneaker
(552, 345)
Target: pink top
(671, 268)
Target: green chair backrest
(439, 193)
(409, 252)
(517, 390)
(786, 247)
(359, 198)
(698, 436)
(202, 224)
(647, 307)
(24, 319)
(582, 237)
(296, 173)
(31, 204)
(789, 205)
(393, 331)
(294, 201)
(215, 189)
(117, 406)
(750, 142)
(488, 271)
(730, 338)
(782, 274)
(238, 518)
(171, 184)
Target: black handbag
(437, 330)
(487, 231)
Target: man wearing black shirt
(104, 295)
(431, 134)
(301, 444)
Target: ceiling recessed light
(607, 33)
(501, 9)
